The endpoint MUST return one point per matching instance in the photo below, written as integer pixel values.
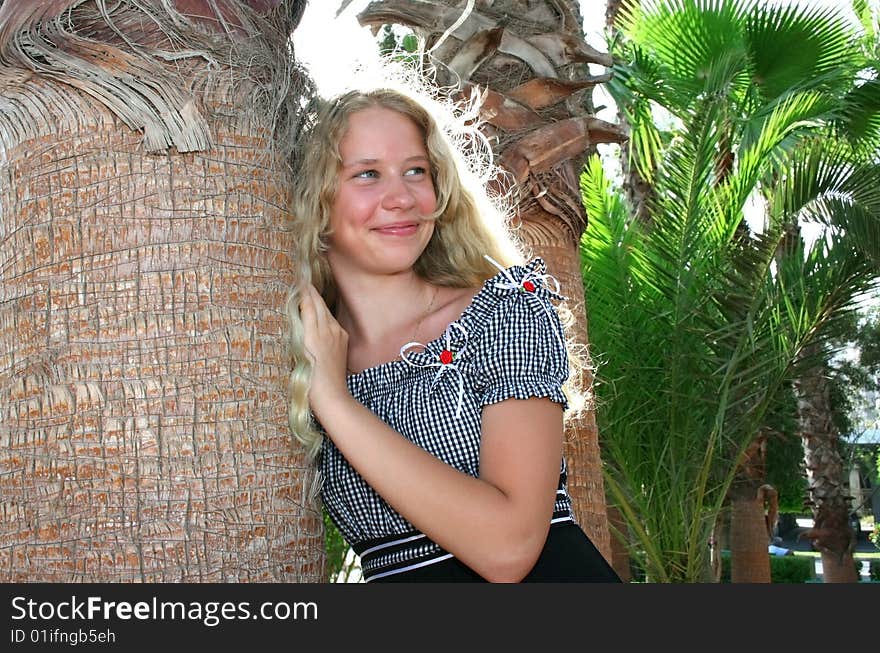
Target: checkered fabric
(508, 343)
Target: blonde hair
(469, 222)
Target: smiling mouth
(406, 229)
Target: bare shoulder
(455, 300)
(448, 307)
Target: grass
(859, 555)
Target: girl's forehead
(379, 129)
(377, 114)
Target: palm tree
(531, 61)
(843, 194)
(143, 269)
(697, 331)
(832, 534)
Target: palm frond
(752, 54)
(777, 136)
(796, 45)
(824, 184)
(859, 118)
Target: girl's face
(380, 218)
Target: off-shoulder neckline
(465, 318)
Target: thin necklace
(425, 314)
(418, 324)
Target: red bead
(529, 286)
(446, 357)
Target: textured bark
(532, 59)
(829, 499)
(750, 561)
(612, 9)
(749, 528)
(143, 432)
(620, 559)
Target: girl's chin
(383, 265)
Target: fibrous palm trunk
(749, 533)
(144, 264)
(831, 533)
(531, 60)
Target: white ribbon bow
(512, 284)
(530, 277)
(443, 367)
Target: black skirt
(568, 557)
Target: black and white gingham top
(507, 343)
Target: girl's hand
(326, 344)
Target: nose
(398, 195)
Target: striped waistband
(397, 554)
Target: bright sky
(332, 48)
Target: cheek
(352, 208)
(341, 213)
(428, 201)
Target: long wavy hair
(468, 223)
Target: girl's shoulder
(530, 277)
(511, 285)
(514, 304)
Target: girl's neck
(371, 307)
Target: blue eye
(368, 174)
(418, 170)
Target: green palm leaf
(698, 323)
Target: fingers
(307, 311)
(312, 307)
(320, 308)
(326, 345)
(319, 326)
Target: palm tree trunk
(749, 535)
(620, 558)
(612, 9)
(531, 59)
(749, 560)
(143, 434)
(639, 193)
(720, 542)
(831, 533)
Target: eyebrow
(369, 162)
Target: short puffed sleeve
(522, 352)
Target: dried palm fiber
(118, 51)
(144, 263)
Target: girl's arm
(496, 524)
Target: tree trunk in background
(749, 558)
(620, 559)
(831, 533)
(612, 9)
(532, 60)
(749, 536)
(144, 432)
(720, 542)
(639, 192)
